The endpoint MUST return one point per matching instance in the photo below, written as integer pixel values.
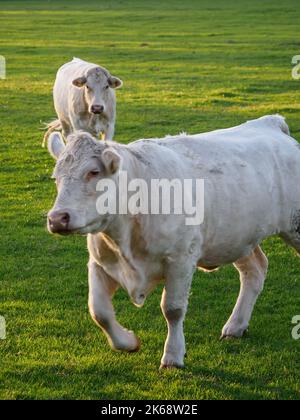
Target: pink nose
(58, 221)
(97, 109)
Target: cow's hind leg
(101, 290)
(253, 271)
(292, 237)
(295, 245)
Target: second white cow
(84, 99)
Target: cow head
(97, 83)
(81, 164)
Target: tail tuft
(52, 126)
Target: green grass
(193, 65)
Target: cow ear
(79, 82)
(56, 145)
(111, 160)
(114, 82)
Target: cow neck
(121, 226)
(120, 232)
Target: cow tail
(52, 126)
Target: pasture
(188, 66)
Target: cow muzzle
(58, 222)
(97, 109)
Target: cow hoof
(130, 343)
(137, 347)
(171, 362)
(171, 366)
(233, 334)
(228, 337)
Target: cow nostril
(65, 218)
(59, 221)
(97, 109)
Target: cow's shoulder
(102, 250)
(114, 262)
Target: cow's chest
(97, 125)
(137, 274)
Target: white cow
(252, 191)
(84, 99)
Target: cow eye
(106, 87)
(93, 174)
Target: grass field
(193, 65)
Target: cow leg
(174, 306)
(293, 239)
(101, 290)
(253, 271)
(66, 129)
(108, 134)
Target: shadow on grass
(116, 382)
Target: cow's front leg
(101, 290)
(174, 306)
(108, 133)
